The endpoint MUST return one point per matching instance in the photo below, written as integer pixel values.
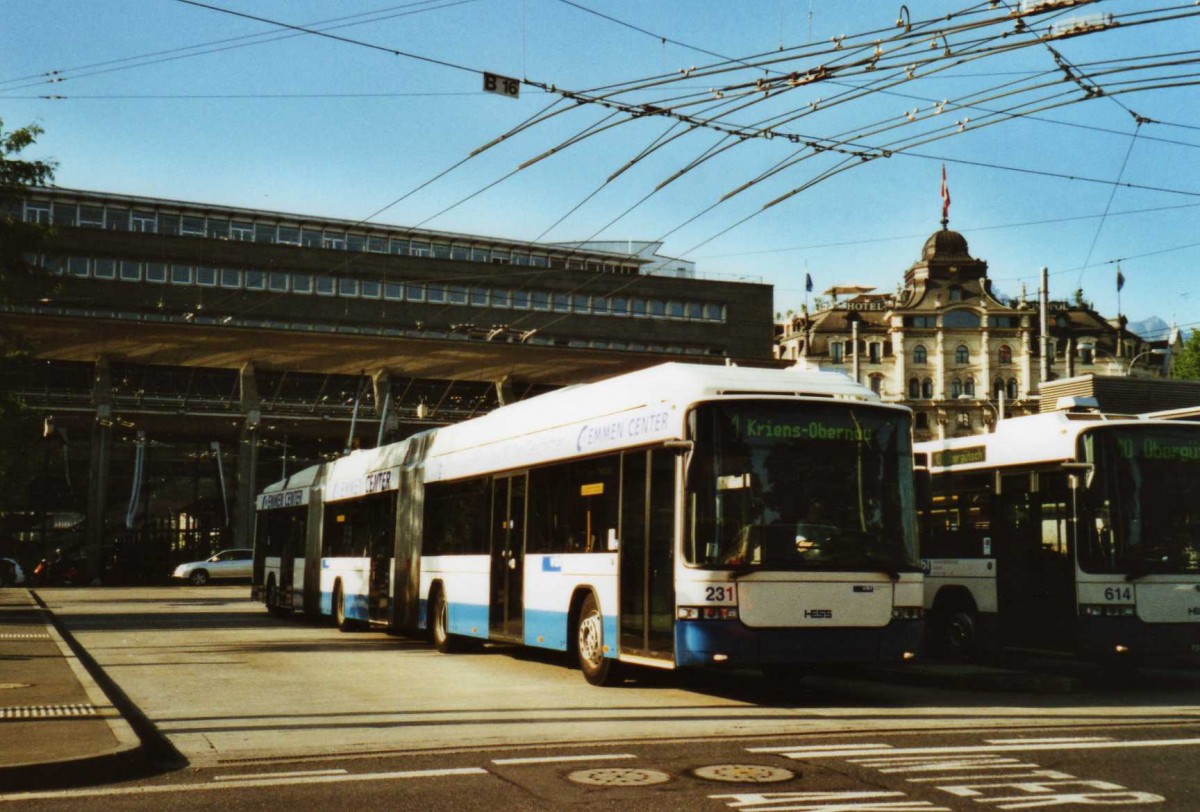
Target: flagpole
(1120, 332)
(807, 285)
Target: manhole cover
(619, 777)
(743, 773)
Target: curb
(127, 760)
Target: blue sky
(314, 125)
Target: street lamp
(854, 319)
(1153, 351)
(1128, 370)
(997, 414)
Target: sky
(1078, 154)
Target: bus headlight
(907, 612)
(1107, 610)
(707, 613)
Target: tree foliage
(19, 279)
(18, 239)
(1187, 363)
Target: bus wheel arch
(953, 629)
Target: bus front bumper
(1129, 637)
(731, 643)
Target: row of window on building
(922, 389)
(419, 330)
(114, 218)
(163, 273)
(839, 351)
(962, 319)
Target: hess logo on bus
(819, 614)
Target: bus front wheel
(589, 642)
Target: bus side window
(1036, 512)
(573, 507)
(457, 517)
(1054, 501)
(958, 521)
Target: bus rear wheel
(272, 599)
(956, 636)
(589, 643)
(439, 624)
(339, 607)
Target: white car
(225, 564)
(11, 573)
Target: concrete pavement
(57, 727)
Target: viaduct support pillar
(99, 460)
(247, 460)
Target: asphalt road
(256, 711)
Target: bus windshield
(1144, 514)
(786, 485)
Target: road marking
(979, 773)
(553, 759)
(1052, 740)
(943, 763)
(825, 751)
(845, 801)
(259, 776)
(887, 750)
(270, 782)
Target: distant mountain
(1151, 329)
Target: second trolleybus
(1071, 531)
(679, 516)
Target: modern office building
(189, 353)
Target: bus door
(287, 564)
(1035, 570)
(381, 525)
(508, 557)
(646, 554)
(378, 603)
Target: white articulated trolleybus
(1070, 531)
(679, 516)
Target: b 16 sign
(505, 86)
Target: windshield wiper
(738, 570)
(1140, 568)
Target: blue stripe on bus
(550, 626)
(357, 607)
(465, 617)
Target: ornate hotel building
(953, 350)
